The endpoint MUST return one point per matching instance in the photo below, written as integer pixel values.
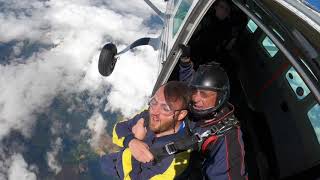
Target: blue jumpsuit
(224, 157)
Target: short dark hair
(177, 91)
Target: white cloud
(53, 163)
(78, 30)
(131, 82)
(136, 7)
(97, 125)
(19, 169)
(17, 50)
(22, 19)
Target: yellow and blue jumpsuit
(123, 165)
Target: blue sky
(314, 3)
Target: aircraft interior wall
(267, 77)
(230, 62)
(273, 121)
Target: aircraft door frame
(175, 18)
(184, 33)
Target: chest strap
(195, 141)
(174, 147)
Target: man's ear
(182, 115)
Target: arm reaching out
(186, 70)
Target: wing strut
(155, 9)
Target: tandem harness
(196, 141)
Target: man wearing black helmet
(212, 120)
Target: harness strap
(175, 147)
(195, 141)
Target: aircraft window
(270, 46)
(314, 117)
(297, 84)
(181, 14)
(252, 26)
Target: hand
(139, 130)
(186, 51)
(140, 151)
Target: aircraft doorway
(272, 101)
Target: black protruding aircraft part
(107, 59)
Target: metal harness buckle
(170, 148)
(198, 136)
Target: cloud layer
(97, 125)
(53, 164)
(74, 31)
(55, 52)
(19, 169)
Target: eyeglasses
(164, 108)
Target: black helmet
(210, 77)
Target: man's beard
(160, 126)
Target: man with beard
(162, 123)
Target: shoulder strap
(174, 147)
